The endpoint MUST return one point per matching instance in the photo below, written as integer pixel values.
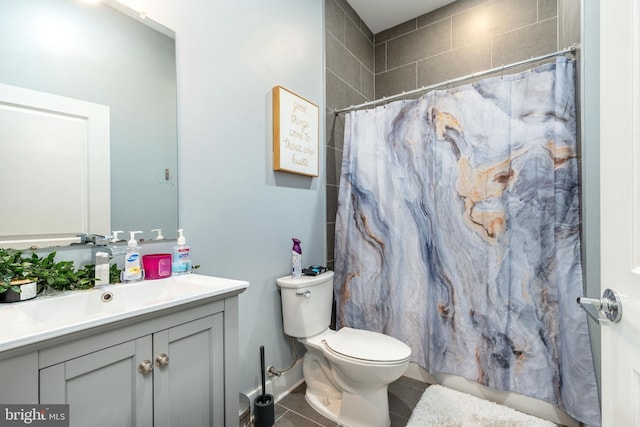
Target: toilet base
(347, 391)
(370, 408)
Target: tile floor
(294, 411)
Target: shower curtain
(457, 232)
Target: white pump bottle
(132, 271)
(181, 256)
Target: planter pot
(28, 290)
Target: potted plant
(18, 276)
(23, 277)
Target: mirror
(107, 55)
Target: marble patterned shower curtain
(458, 233)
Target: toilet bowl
(361, 365)
(347, 372)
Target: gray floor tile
(279, 412)
(291, 419)
(397, 420)
(294, 410)
(296, 402)
(403, 397)
(410, 382)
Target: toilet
(347, 372)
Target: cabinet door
(189, 381)
(19, 379)
(105, 387)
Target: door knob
(162, 360)
(603, 310)
(145, 367)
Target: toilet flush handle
(306, 293)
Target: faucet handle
(114, 236)
(94, 239)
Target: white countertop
(47, 317)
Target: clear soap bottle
(132, 270)
(181, 256)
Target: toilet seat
(367, 347)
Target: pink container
(156, 266)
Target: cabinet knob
(145, 367)
(162, 360)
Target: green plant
(14, 267)
(45, 271)
(114, 274)
(62, 275)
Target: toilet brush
(263, 405)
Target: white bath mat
(443, 407)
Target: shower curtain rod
(569, 50)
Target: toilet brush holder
(263, 410)
(263, 405)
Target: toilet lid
(367, 345)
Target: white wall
(238, 214)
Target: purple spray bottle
(296, 259)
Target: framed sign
(295, 133)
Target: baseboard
(280, 386)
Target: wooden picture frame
(295, 133)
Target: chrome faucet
(93, 239)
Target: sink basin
(51, 316)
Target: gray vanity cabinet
(173, 377)
(173, 367)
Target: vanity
(155, 353)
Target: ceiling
(380, 15)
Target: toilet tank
(306, 304)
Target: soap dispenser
(132, 271)
(159, 236)
(181, 262)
